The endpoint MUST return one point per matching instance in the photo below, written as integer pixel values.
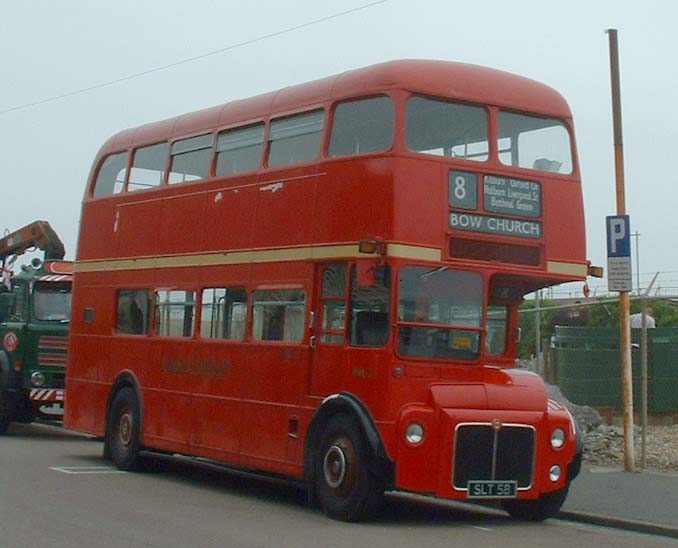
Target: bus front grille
(486, 451)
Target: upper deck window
(296, 139)
(536, 143)
(112, 175)
(443, 128)
(191, 159)
(361, 127)
(239, 150)
(148, 169)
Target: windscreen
(440, 313)
(52, 301)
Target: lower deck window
(278, 315)
(224, 312)
(132, 314)
(174, 313)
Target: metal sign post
(616, 226)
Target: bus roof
(457, 81)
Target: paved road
(56, 491)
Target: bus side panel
(216, 406)
(97, 230)
(284, 208)
(276, 383)
(137, 226)
(182, 223)
(424, 184)
(354, 200)
(564, 233)
(229, 215)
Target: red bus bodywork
(278, 227)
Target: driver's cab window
(369, 308)
(497, 324)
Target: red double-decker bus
(323, 283)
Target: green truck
(35, 309)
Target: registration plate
(491, 489)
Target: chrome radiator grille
(493, 451)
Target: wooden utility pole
(624, 298)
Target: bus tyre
(124, 428)
(546, 506)
(345, 487)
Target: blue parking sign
(618, 236)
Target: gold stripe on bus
(568, 269)
(404, 251)
(254, 256)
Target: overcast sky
(51, 48)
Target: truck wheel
(123, 433)
(4, 413)
(345, 487)
(546, 506)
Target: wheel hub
(125, 428)
(334, 466)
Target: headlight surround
(414, 434)
(37, 379)
(558, 438)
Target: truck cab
(35, 311)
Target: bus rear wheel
(123, 434)
(345, 487)
(546, 506)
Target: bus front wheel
(123, 435)
(546, 506)
(345, 487)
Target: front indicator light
(555, 472)
(414, 434)
(557, 438)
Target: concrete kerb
(618, 523)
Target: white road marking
(479, 527)
(87, 470)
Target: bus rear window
(530, 142)
(112, 175)
(361, 127)
(443, 128)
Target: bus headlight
(555, 472)
(37, 379)
(557, 438)
(414, 434)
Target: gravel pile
(604, 444)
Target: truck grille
(486, 452)
(52, 351)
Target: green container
(662, 378)
(589, 366)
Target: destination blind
(496, 225)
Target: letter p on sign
(618, 236)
